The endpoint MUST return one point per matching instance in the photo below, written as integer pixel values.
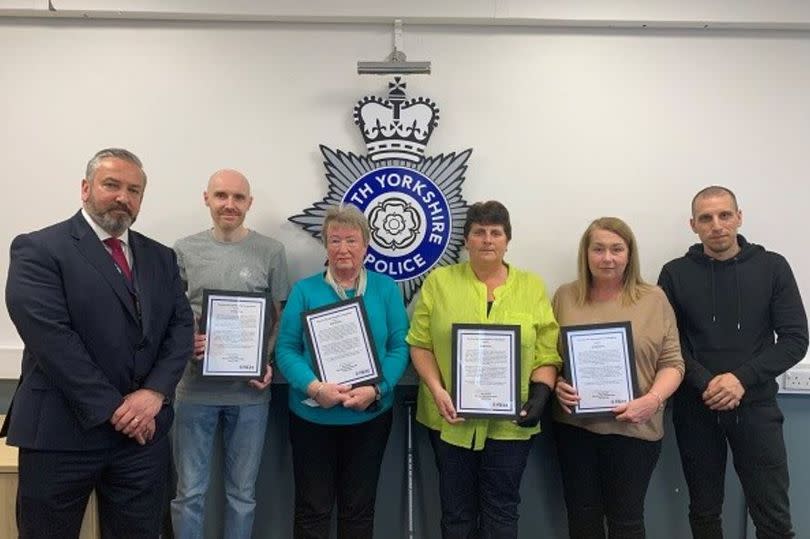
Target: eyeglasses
(351, 243)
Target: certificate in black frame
(355, 303)
(631, 383)
(268, 316)
(513, 409)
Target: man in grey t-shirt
(228, 256)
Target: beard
(114, 219)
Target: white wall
(566, 125)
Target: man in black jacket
(107, 331)
(731, 299)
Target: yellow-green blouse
(453, 294)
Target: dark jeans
(754, 433)
(480, 490)
(130, 482)
(605, 479)
(337, 463)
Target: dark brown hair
(490, 212)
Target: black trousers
(337, 463)
(130, 483)
(480, 490)
(605, 479)
(754, 433)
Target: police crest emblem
(412, 201)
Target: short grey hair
(346, 215)
(107, 153)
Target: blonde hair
(346, 215)
(633, 286)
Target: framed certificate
(486, 370)
(342, 345)
(600, 364)
(236, 326)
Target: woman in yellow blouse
(481, 461)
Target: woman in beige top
(606, 462)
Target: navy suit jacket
(88, 342)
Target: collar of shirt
(103, 235)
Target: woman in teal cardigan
(338, 432)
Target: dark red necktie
(118, 256)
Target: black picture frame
(357, 305)
(625, 329)
(268, 317)
(512, 410)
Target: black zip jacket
(743, 315)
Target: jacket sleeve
(789, 322)
(292, 357)
(697, 376)
(37, 304)
(396, 350)
(546, 351)
(177, 343)
(671, 356)
(419, 333)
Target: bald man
(228, 256)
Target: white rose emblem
(394, 223)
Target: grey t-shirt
(255, 264)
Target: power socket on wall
(798, 378)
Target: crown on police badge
(413, 201)
(395, 128)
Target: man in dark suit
(107, 331)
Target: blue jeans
(480, 490)
(243, 430)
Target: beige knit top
(655, 343)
